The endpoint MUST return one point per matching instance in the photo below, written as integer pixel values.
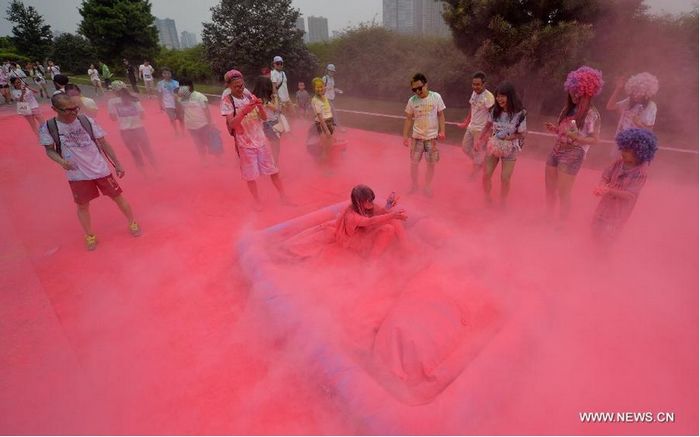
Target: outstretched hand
(399, 215)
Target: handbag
(500, 148)
(282, 125)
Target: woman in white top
(27, 106)
(502, 138)
(637, 110)
(95, 79)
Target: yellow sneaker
(135, 229)
(90, 242)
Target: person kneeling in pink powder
(370, 229)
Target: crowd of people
(495, 132)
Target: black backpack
(52, 127)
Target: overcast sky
(63, 15)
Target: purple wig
(641, 141)
(585, 81)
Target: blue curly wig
(641, 141)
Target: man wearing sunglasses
(425, 111)
(77, 144)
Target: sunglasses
(73, 109)
(418, 88)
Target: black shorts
(329, 123)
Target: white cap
(330, 67)
(277, 59)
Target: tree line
(532, 43)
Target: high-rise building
(302, 27)
(418, 17)
(167, 33)
(318, 29)
(433, 23)
(187, 39)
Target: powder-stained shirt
(322, 106)
(591, 127)
(28, 98)
(167, 89)
(646, 114)
(614, 209)
(425, 115)
(128, 113)
(480, 105)
(78, 148)
(250, 134)
(508, 124)
(195, 109)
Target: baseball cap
(277, 59)
(330, 67)
(232, 74)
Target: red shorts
(85, 191)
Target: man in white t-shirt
(480, 103)
(77, 146)
(146, 74)
(245, 114)
(279, 82)
(425, 111)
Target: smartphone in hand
(391, 200)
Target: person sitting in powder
(369, 229)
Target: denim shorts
(568, 160)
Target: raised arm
(612, 101)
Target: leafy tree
(73, 53)
(525, 41)
(372, 61)
(119, 29)
(190, 63)
(31, 36)
(247, 34)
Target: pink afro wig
(642, 84)
(585, 81)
